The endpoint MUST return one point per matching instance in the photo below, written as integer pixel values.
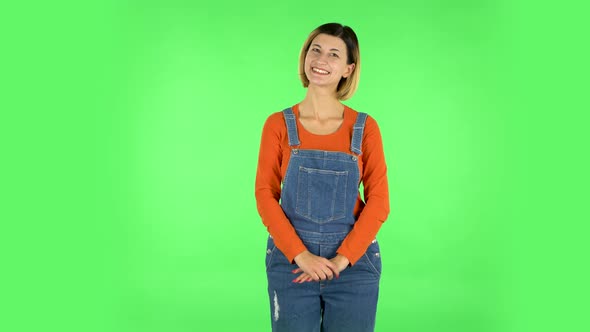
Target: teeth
(320, 71)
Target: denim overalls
(318, 196)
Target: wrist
(342, 260)
(300, 255)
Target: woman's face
(325, 62)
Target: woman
(313, 157)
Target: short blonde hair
(347, 86)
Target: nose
(322, 58)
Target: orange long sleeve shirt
(272, 165)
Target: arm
(268, 193)
(268, 189)
(376, 194)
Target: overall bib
(319, 192)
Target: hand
(340, 261)
(314, 267)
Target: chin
(317, 81)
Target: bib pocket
(321, 194)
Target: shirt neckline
(300, 125)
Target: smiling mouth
(319, 71)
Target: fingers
(328, 273)
(323, 274)
(299, 278)
(304, 277)
(317, 268)
(320, 273)
(326, 269)
(315, 276)
(333, 268)
(330, 269)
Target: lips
(319, 71)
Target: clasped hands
(316, 268)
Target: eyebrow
(318, 45)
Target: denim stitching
(307, 211)
(371, 265)
(270, 259)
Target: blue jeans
(348, 303)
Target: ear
(349, 70)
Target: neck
(321, 103)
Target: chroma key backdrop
(130, 143)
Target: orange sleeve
(268, 188)
(376, 193)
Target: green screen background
(131, 132)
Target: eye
(334, 55)
(315, 50)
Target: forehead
(329, 42)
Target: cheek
(337, 66)
(307, 62)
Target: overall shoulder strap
(357, 133)
(291, 123)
